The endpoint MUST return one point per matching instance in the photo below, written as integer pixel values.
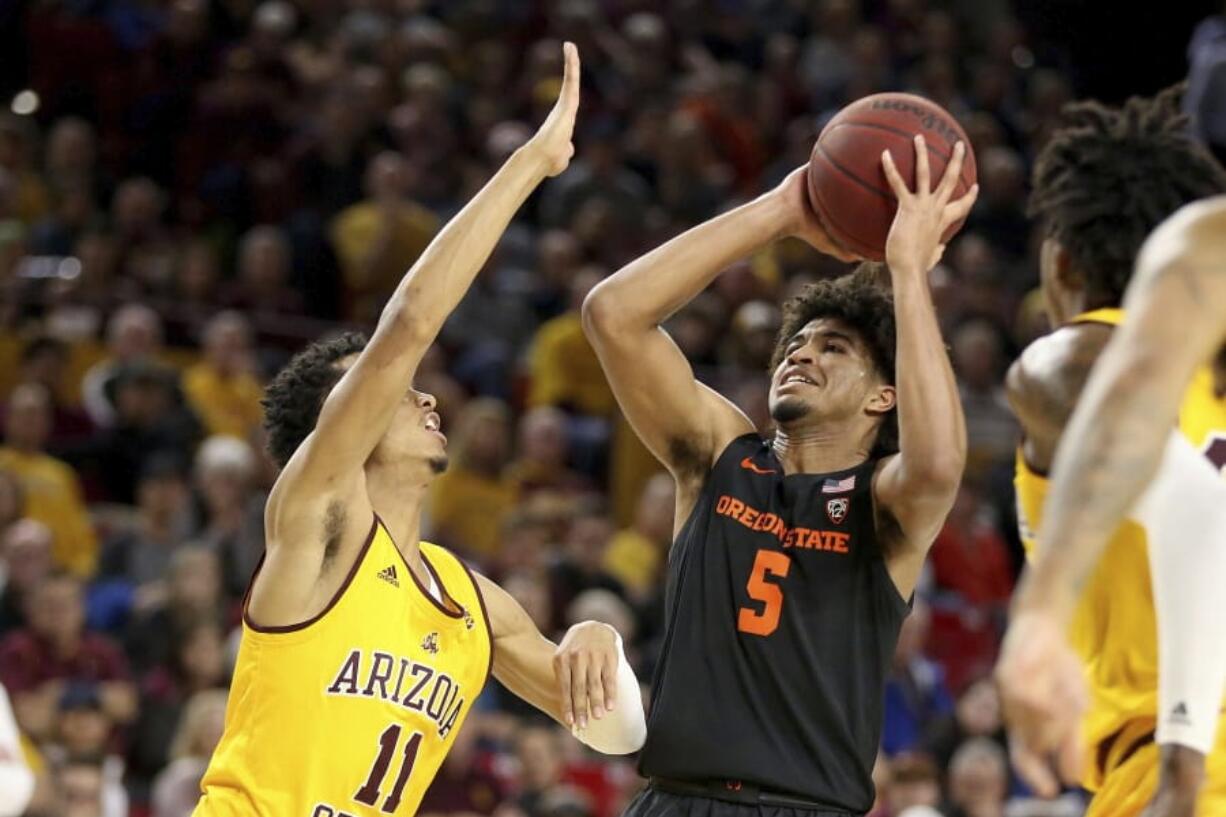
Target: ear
(881, 400)
(1066, 274)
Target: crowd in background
(193, 189)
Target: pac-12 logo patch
(430, 643)
(836, 509)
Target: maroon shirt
(27, 662)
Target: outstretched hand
(914, 244)
(552, 141)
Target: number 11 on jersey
(368, 795)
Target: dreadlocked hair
(1109, 176)
(295, 396)
(865, 306)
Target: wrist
(780, 219)
(531, 159)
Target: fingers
(955, 211)
(893, 176)
(1070, 756)
(1033, 769)
(953, 172)
(562, 666)
(579, 689)
(608, 676)
(923, 174)
(570, 77)
(595, 690)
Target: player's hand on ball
(803, 221)
(914, 245)
(1043, 695)
(585, 664)
(552, 142)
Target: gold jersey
(352, 712)
(1114, 629)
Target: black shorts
(652, 802)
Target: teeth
(432, 424)
(796, 378)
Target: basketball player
(363, 649)
(1102, 183)
(795, 556)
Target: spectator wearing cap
(222, 389)
(140, 553)
(25, 560)
(134, 332)
(52, 491)
(36, 661)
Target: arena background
(190, 190)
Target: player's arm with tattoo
(917, 487)
(585, 682)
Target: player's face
(417, 432)
(827, 372)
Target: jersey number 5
(766, 563)
(368, 795)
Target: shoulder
(1052, 370)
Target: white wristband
(624, 729)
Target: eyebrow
(826, 333)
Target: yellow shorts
(1129, 786)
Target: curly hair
(861, 302)
(1109, 176)
(294, 397)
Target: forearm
(931, 427)
(643, 294)
(442, 275)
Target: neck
(397, 493)
(820, 450)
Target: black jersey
(782, 620)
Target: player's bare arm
(917, 486)
(1111, 452)
(576, 682)
(319, 504)
(684, 423)
(1044, 384)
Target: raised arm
(684, 423)
(584, 683)
(1109, 454)
(918, 485)
(356, 414)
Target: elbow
(598, 313)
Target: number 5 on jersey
(764, 622)
(368, 795)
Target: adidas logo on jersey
(1180, 714)
(388, 574)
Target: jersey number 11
(369, 793)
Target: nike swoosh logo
(748, 465)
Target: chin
(788, 410)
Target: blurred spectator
(192, 594)
(17, 145)
(991, 430)
(263, 275)
(25, 560)
(84, 787)
(916, 698)
(914, 782)
(976, 715)
(44, 360)
(541, 773)
(53, 649)
(134, 332)
(16, 777)
(232, 523)
(223, 388)
(596, 173)
(52, 491)
(463, 784)
(978, 780)
(140, 554)
(636, 555)
(146, 249)
(378, 239)
(542, 463)
(563, 366)
(972, 581)
(581, 566)
(480, 448)
(12, 499)
(177, 787)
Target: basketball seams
(945, 157)
(826, 214)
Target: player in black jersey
(795, 556)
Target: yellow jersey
(1114, 629)
(352, 712)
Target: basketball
(847, 185)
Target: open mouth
(434, 424)
(794, 378)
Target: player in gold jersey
(363, 649)
(1101, 184)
